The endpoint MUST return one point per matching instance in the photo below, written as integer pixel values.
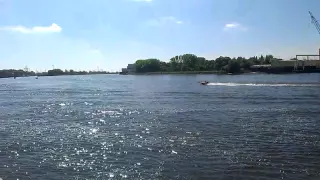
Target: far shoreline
(216, 73)
(175, 73)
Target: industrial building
(130, 69)
(295, 63)
(294, 66)
(301, 63)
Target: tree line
(6, 73)
(191, 62)
(58, 72)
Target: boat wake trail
(266, 84)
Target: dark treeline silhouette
(6, 73)
(59, 72)
(190, 62)
(15, 73)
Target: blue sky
(109, 34)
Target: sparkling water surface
(160, 127)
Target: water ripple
(86, 130)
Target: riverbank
(11, 73)
(268, 71)
(76, 74)
(42, 75)
(179, 72)
(192, 72)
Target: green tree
(221, 62)
(233, 66)
(190, 62)
(148, 65)
(267, 59)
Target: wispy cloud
(234, 25)
(164, 20)
(142, 0)
(53, 28)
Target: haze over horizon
(110, 34)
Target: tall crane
(315, 22)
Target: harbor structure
(129, 69)
(303, 61)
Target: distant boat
(36, 77)
(204, 82)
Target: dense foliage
(58, 72)
(190, 62)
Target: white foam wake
(261, 84)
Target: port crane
(315, 22)
(297, 63)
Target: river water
(160, 127)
